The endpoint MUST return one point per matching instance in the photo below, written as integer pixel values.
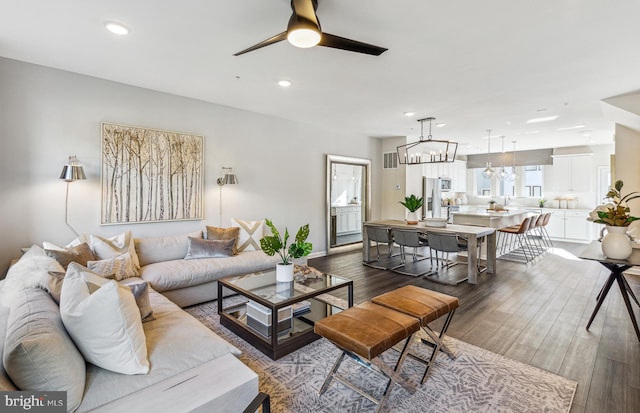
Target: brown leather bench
(364, 332)
(426, 306)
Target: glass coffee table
(293, 307)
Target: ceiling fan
(304, 31)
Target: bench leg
(331, 374)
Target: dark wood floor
(536, 314)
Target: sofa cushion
(29, 271)
(105, 248)
(176, 341)
(152, 250)
(215, 233)
(120, 266)
(171, 275)
(5, 382)
(210, 248)
(38, 353)
(250, 234)
(79, 253)
(104, 321)
(140, 292)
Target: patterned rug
(476, 381)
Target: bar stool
(427, 306)
(516, 233)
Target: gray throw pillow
(80, 253)
(141, 293)
(38, 353)
(204, 248)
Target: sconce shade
(72, 172)
(230, 179)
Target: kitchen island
(490, 219)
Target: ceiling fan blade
(337, 42)
(275, 39)
(306, 9)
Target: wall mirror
(348, 201)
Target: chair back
(547, 217)
(407, 238)
(524, 226)
(443, 242)
(378, 234)
(539, 220)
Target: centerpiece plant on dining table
(412, 203)
(616, 215)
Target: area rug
(476, 381)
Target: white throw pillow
(105, 248)
(250, 234)
(79, 240)
(104, 322)
(120, 266)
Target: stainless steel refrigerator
(431, 194)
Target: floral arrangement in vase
(616, 215)
(617, 212)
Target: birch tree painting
(150, 175)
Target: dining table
(471, 233)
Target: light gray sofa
(192, 368)
(189, 282)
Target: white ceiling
(474, 65)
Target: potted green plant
(541, 202)
(616, 215)
(275, 244)
(412, 203)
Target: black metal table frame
(616, 274)
(275, 350)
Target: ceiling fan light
(303, 37)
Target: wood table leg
(491, 253)
(472, 258)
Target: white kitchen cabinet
(569, 224)
(572, 173)
(348, 219)
(456, 171)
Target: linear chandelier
(427, 150)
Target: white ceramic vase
(284, 272)
(616, 244)
(412, 218)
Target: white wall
(48, 115)
(393, 183)
(627, 167)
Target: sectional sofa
(190, 367)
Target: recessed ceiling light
(116, 28)
(544, 119)
(571, 127)
(284, 83)
(409, 114)
(441, 125)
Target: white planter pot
(412, 218)
(284, 273)
(616, 244)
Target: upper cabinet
(456, 170)
(572, 173)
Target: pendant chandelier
(512, 177)
(427, 150)
(488, 172)
(502, 175)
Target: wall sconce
(71, 172)
(227, 178)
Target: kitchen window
(528, 183)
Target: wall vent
(390, 160)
